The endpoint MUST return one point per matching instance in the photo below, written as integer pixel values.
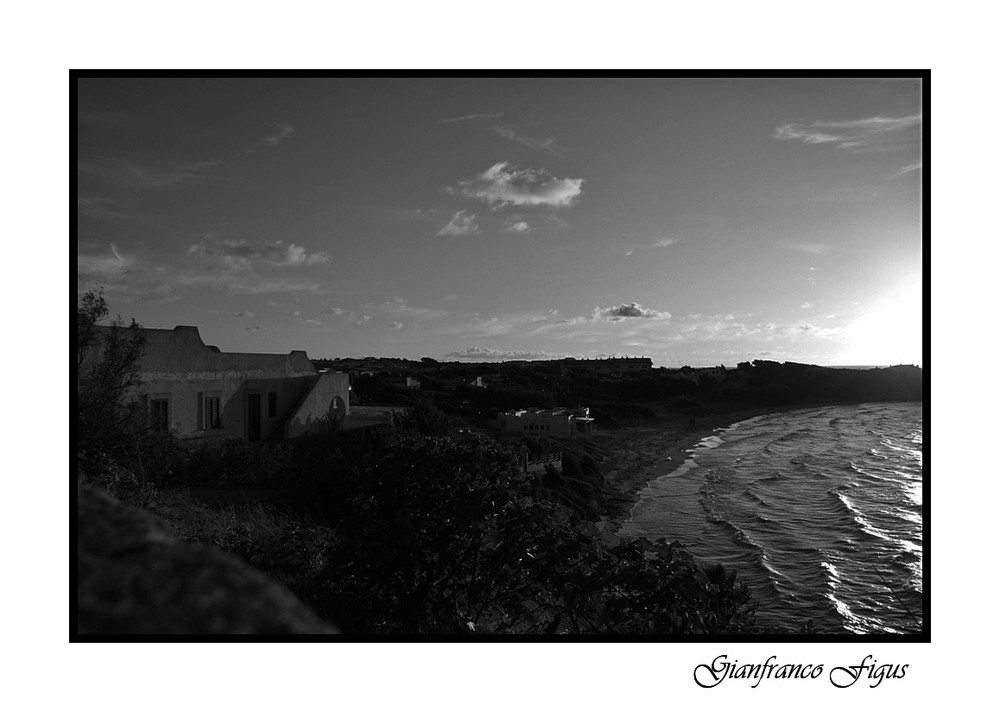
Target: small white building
(203, 395)
(553, 421)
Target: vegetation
(398, 533)
(107, 357)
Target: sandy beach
(631, 457)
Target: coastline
(632, 457)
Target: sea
(819, 511)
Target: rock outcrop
(133, 577)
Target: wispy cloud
(349, 315)
(257, 286)
(470, 117)
(238, 256)
(232, 265)
(502, 184)
(908, 169)
(811, 248)
(243, 268)
(151, 173)
(399, 310)
(544, 143)
(878, 133)
(103, 209)
(657, 243)
(111, 262)
(282, 132)
(461, 224)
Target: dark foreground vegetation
(428, 526)
(398, 532)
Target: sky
(697, 221)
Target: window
(209, 410)
(272, 405)
(159, 413)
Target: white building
(554, 421)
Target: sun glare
(888, 334)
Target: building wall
(327, 400)
(258, 394)
(236, 394)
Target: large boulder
(133, 577)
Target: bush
(447, 536)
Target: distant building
(202, 395)
(606, 366)
(554, 421)
(404, 382)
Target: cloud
(102, 209)
(878, 133)
(359, 319)
(295, 255)
(501, 184)
(256, 286)
(541, 144)
(163, 172)
(469, 117)
(811, 248)
(238, 256)
(908, 169)
(397, 310)
(284, 131)
(461, 224)
(230, 265)
(124, 277)
(518, 226)
(629, 311)
(655, 244)
(103, 264)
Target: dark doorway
(253, 417)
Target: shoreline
(631, 457)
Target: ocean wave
(801, 504)
(753, 496)
(853, 623)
